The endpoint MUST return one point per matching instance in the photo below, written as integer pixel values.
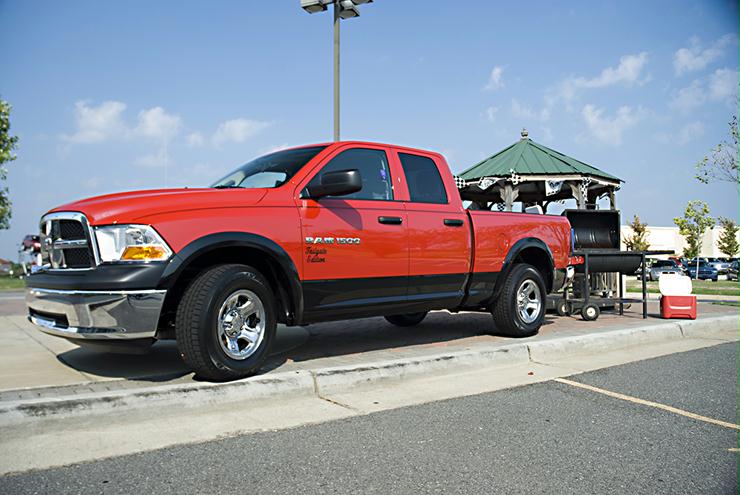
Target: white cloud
(723, 85)
(609, 130)
(629, 72)
(521, 111)
(696, 58)
(685, 135)
(196, 139)
(96, 124)
(237, 130)
(689, 97)
(157, 124)
(491, 113)
(720, 86)
(495, 81)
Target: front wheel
(407, 320)
(226, 322)
(520, 308)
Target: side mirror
(337, 183)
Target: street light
(343, 9)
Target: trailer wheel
(407, 320)
(590, 312)
(520, 308)
(226, 322)
(564, 308)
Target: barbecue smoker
(598, 281)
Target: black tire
(590, 312)
(196, 322)
(564, 308)
(505, 311)
(407, 320)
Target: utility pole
(343, 9)
(336, 71)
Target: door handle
(453, 222)
(390, 220)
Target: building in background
(668, 238)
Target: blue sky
(106, 93)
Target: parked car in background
(721, 264)
(706, 272)
(732, 271)
(660, 267)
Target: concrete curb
(344, 378)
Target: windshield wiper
(226, 186)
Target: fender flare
(516, 249)
(212, 242)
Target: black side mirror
(337, 183)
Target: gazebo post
(509, 195)
(576, 190)
(612, 199)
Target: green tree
(692, 225)
(722, 164)
(638, 240)
(8, 144)
(727, 243)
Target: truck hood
(135, 206)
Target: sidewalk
(34, 365)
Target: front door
(355, 247)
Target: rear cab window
(422, 177)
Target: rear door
(356, 257)
(439, 232)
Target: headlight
(131, 243)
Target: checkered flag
(515, 178)
(484, 183)
(460, 182)
(584, 187)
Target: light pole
(343, 9)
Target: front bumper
(96, 315)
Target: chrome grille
(66, 242)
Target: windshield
(271, 170)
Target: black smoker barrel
(597, 232)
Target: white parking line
(644, 402)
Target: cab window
(373, 168)
(422, 176)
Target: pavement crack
(318, 395)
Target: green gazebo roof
(526, 157)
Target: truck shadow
(296, 345)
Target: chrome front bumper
(96, 315)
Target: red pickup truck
(309, 234)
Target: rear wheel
(407, 320)
(226, 322)
(520, 308)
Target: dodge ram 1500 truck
(309, 234)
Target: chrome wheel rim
(241, 324)
(529, 301)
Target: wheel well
(256, 258)
(540, 260)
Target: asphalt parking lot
(551, 437)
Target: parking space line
(644, 402)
